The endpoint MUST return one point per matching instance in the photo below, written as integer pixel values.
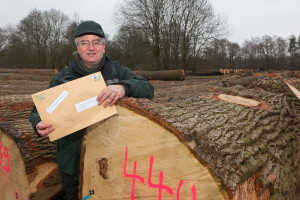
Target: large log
(40, 72)
(252, 149)
(14, 76)
(28, 167)
(17, 87)
(15, 107)
(166, 75)
(131, 144)
(208, 72)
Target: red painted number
(193, 190)
(160, 185)
(5, 155)
(0, 153)
(133, 176)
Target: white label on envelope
(57, 101)
(84, 105)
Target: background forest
(151, 35)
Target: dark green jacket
(68, 148)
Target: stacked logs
(209, 138)
(28, 165)
(166, 75)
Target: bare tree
(44, 33)
(147, 15)
(281, 53)
(177, 29)
(3, 41)
(35, 34)
(56, 22)
(292, 46)
(234, 55)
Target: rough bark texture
(18, 87)
(33, 169)
(15, 107)
(236, 142)
(166, 75)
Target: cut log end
(134, 147)
(23, 176)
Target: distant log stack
(25, 77)
(27, 74)
(166, 75)
(40, 72)
(205, 140)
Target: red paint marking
(0, 152)
(5, 155)
(178, 188)
(160, 186)
(133, 176)
(193, 190)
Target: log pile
(249, 144)
(166, 75)
(39, 75)
(28, 168)
(234, 137)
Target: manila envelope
(72, 106)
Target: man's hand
(111, 94)
(44, 129)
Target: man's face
(91, 49)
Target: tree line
(152, 35)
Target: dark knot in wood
(103, 168)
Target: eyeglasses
(86, 43)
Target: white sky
(256, 18)
(247, 18)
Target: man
(90, 58)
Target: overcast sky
(247, 18)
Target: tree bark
(15, 107)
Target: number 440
(5, 155)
